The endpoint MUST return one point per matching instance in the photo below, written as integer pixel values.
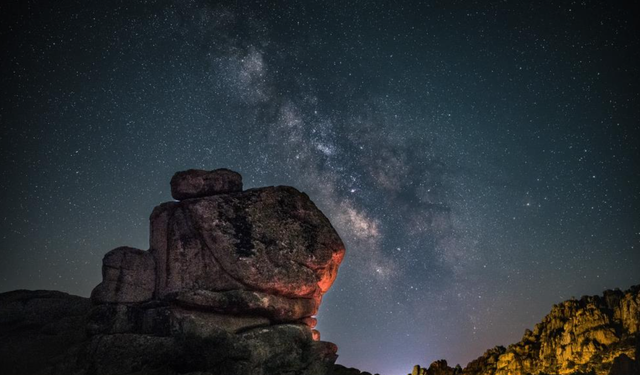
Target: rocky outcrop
(39, 330)
(596, 335)
(439, 367)
(342, 370)
(230, 285)
(128, 275)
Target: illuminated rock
(273, 240)
(596, 334)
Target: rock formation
(230, 285)
(594, 335)
(342, 370)
(439, 367)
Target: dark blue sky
(480, 159)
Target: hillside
(592, 335)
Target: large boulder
(196, 183)
(272, 240)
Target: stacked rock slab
(230, 285)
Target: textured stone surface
(206, 324)
(128, 353)
(128, 275)
(241, 302)
(196, 183)
(273, 240)
(114, 318)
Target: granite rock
(197, 183)
(128, 275)
(272, 240)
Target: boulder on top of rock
(197, 183)
(128, 275)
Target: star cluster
(479, 159)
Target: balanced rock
(196, 183)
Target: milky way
(479, 159)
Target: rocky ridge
(593, 335)
(230, 284)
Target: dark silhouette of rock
(623, 365)
(196, 183)
(230, 285)
(342, 370)
(39, 329)
(439, 367)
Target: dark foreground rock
(342, 370)
(40, 330)
(230, 285)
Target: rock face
(128, 275)
(594, 335)
(230, 285)
(272, 240)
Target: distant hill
(593, 335)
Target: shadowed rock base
(46, 332)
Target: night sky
(480, 160)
